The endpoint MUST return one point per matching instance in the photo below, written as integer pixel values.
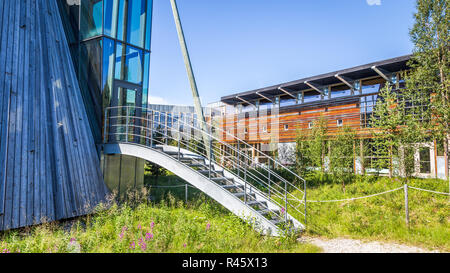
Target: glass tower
(110, 46)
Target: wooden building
(270, 118)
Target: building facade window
(339, 122)
(425, 162)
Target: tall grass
(171, 226)
(381, 217)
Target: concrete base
(123, 173)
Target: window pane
(110, 17)
(136, 22)
(108, 68)
(91, 18)
(146, 80)
(129, 63)
(90, 82)
(148, 28)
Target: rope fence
(404, 187)
(437, 192)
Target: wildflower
(143, 246)
(148, 236)
(139, 226)
(72, 240)
(208, 226)
(184, 245)
(121, 235)
(124, 228)
(152, 225)
(282, 210)
(132, 245)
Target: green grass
(177, 228)
(382, 217)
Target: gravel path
(341, 245)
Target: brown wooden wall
(295, 119)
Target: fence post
(405, 187)
(304, 195)
(186, 192)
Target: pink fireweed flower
(132, 245)
(148, 236)
(121, 235)
(143, 246)
(72, 240)
(124, 228)
(139, 226)
(152, 225)
(184, 245)
(282, 210)
(208, 226)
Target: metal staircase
(223, 170)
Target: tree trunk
(361, 155)
(446, 161)
(390, 161)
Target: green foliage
(202, 227)
(342, 154)
(428, 84)
(388, 121)
(381, 217)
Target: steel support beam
(190, 72)
(261, 95)
(314, 87)
(284, 90)
(241, 99)
(382, 72)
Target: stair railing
(152, 128)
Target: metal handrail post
(151, 128)
(210, 156)
(104, 126)
(245, 185)
(285, 201)
(126, 125)
(238, 158)
(179, 140)
(268, 175)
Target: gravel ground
(341, 245)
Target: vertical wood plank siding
(49, 166)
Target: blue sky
(241, 45)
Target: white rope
(444, 193)
(341, 200)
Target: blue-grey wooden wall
(49, 167)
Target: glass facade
(110, 44)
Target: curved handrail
(150, 115)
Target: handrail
(142, 127)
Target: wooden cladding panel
(49, 165)
(295, 120)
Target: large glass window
(340, 91)
(372, 86)
(309, 97)
(129, 64)
(91, 18)
(132, 21)
(110, 17)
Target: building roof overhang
(355, 73)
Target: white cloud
(373, 2)
(157, 100)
